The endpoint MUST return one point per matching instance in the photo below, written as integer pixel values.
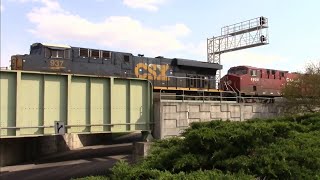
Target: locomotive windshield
(35, 49)
(238, 70)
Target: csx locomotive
(165, 73)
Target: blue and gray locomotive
(164, 73)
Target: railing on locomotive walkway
(202, 96)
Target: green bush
(123, 171)
(94, 178)
(280, 148)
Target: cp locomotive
(250, 81)
(169, 74)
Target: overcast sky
(170, 28)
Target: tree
(302, 94)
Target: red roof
(251, 67)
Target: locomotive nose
(224, 83)
(16, 62)
(226, 80)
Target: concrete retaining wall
(174, 117)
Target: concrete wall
(174, 117)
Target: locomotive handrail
(205, 98)
(4, 68)
(202, 97)
(234, 90)
(165, 81)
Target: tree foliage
(283, 148)
(303, 93)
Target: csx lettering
(152, 71)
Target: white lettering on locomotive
(289, 80)
(254, 79)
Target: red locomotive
(250, 81)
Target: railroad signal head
(263, 38)
(262, 21)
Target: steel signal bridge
(246, 34)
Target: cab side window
(253, 73)
(57, 53)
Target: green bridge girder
(32, 101)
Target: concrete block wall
(174, 117)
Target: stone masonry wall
(175, 117)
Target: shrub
(281, 148)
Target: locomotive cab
(244, 80)
(232, 81)
(42, 57)
(56, 56)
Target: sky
(169, 28)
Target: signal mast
(243, 35)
